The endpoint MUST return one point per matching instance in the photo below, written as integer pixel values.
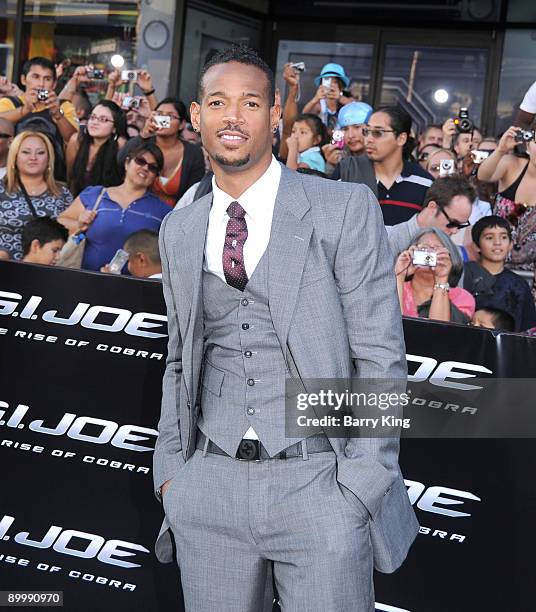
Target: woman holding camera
(92, 154)
(184, 163)
(121, 210)
(516, 199)
(426, 277)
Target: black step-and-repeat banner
(81, 362)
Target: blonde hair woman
(28, 190)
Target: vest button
(251, 410)
(248, 354)
(250, 382)
(245, 302)
(245, 325)
(188, 404)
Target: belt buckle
(249, 450)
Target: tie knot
(235, 211)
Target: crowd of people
(459, 206)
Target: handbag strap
(28, 199)
(98, 200)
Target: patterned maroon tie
(233, 249)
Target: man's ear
(275, 116)
(35, 247)
(195, 116)
(402, 138)
(23, 79)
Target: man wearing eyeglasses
(6, 136)
(447, 206)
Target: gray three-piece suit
(321, 303)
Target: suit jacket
(337, 260)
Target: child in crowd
(490, 283)
(308, 136)
(42, 240)
(493, 318)
(144, 255)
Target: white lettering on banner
(429, 498)
(122, 436)
(133, 324)
(110, 552)
(386, 608)
(427, 370)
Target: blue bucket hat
(354, 113)
(332, 70)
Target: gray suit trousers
(231, 518)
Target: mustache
(233, 128)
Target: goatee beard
(232, 163)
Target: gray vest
(244, 369)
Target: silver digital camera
(447, 167)
(42, 94)
(424, 257)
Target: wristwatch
(443, 286)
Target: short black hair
(487, 222)
(443, 189)
(144, 241)
(501, 319)
(44, 62)
(242, 55)
(179, 106)
(43, 229)
(146, 146)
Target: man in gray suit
(273, 275)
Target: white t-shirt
(529, 101)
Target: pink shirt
(461, 298)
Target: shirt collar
(253, 200)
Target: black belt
(253, 450)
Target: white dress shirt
(258, 201)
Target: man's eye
(215, 103)
(252, 104)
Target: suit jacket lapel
(189, 255)
(287, 251)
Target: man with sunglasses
(402, 183)
(7, 132)
(447, 206)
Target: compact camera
(95, 74)
(129, 75)
(525, 136)
(337, 139)
(162, 121)
(299, 66)
(130, 102)
(479, 156)
(326, 82)
(447, 167)
(424, 257)
(42, 95)
(118, 261)
(463, 124)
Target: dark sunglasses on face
(452, 223)
(2, 135)
(142, 162)
(423, 156)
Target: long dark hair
(105, 170)
(401, 123)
